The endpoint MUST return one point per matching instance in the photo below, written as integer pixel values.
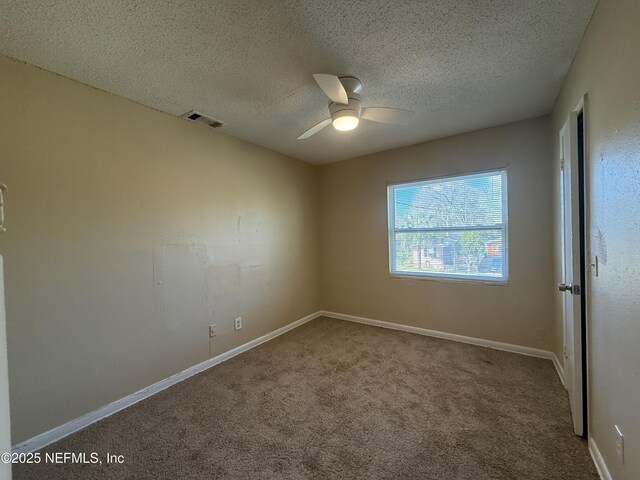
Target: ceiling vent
(202, 118)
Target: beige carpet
(339, 400)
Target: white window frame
(456, 277)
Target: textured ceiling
(461, 65)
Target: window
(454, 227)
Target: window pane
(450, 227)
(457, 202)
(465, 253)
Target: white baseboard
(507, 347)
(559, 368)
(603, 471)
(62, 431)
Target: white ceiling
(460, 64)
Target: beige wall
(355, 273)
(607, 69)
(130, 231)
(106, 200)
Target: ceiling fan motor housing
(351, 84)
(353, 109)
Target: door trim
(580, 187)
(581, 107)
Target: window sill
(434, 278)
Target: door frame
(5, 420)
(581, 170)
(586, 266)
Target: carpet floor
(339, 400)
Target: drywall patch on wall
(184, 292)
(192, 290)
(224, 286)
(223, 280)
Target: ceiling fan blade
(315, 129)
(332, 87)
(387, 115)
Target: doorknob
(575, 289)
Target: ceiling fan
(345, 108)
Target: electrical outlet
(212, 331)
(619, 444)
(238, 323)
(540, 334)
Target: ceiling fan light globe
(344, 123)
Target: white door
(570, 287)
(5, 431)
